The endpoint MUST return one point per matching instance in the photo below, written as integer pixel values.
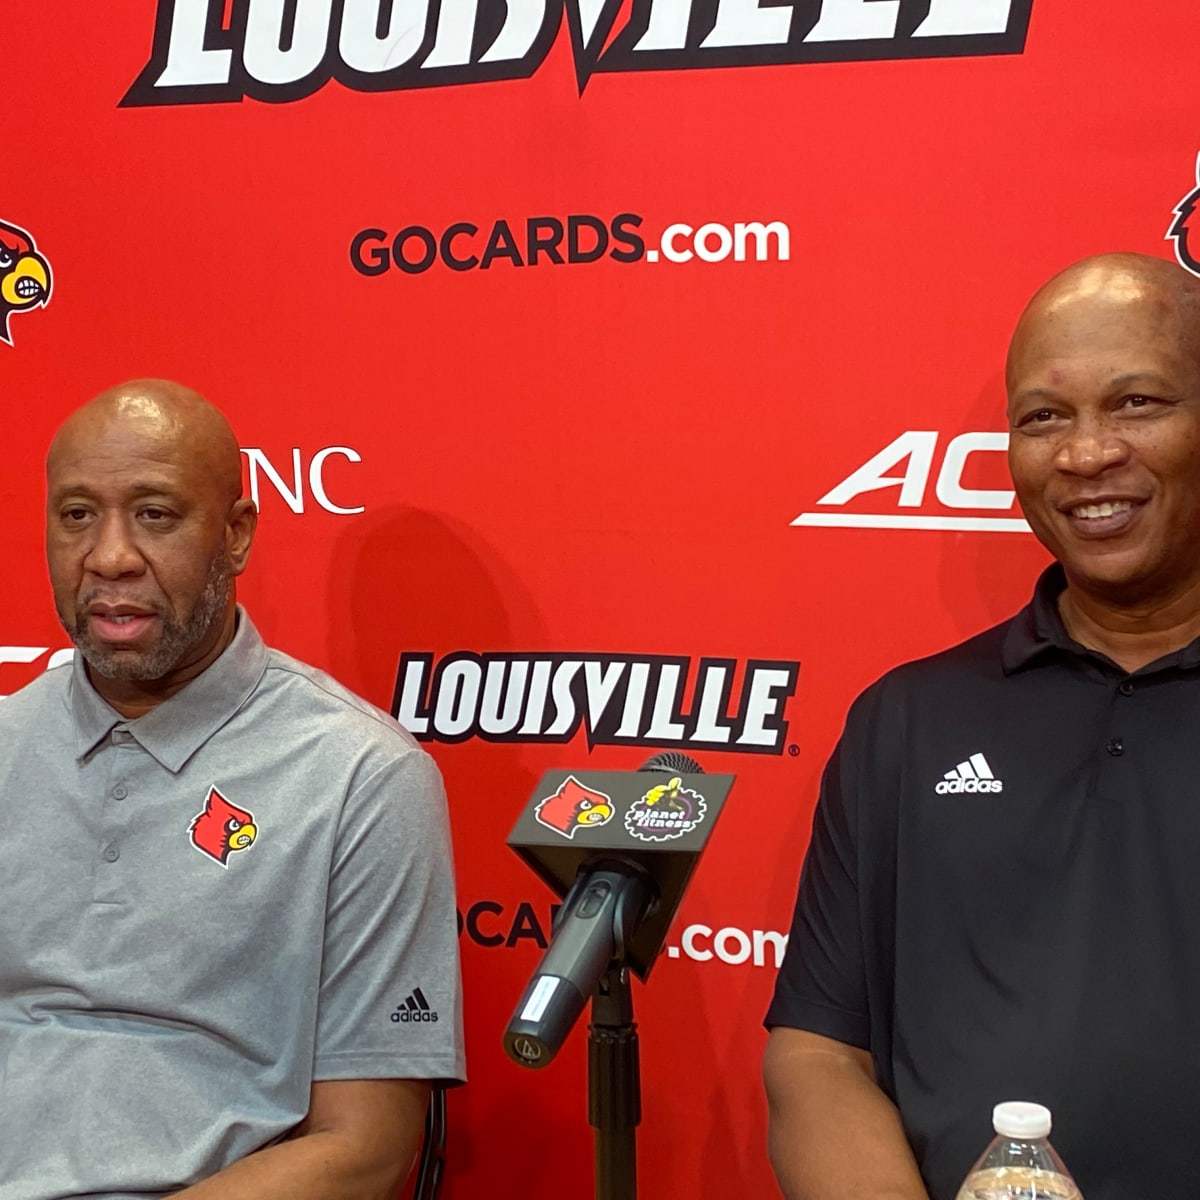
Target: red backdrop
(603, 457)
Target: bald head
(165, 413)
(1103, 382)
(1154, 289)
(146, 531)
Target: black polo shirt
(1001, 901)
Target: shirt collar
(1038, 629)
(173, 731)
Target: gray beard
(175, 640)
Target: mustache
(100, 596)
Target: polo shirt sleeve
(390, 1003)
(822, 984)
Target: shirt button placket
(1115, 746)
(110, 883)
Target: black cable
(433, 1149)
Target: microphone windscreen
(674, 762)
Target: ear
(240, 525)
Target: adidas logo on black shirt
(974, 775)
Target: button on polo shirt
(1002, 900)
(165, 1001)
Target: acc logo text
(918, 446)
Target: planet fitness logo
(665, 812)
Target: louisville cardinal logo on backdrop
(222, 828)
(25, 280)
(1185, 225)
(574, 807)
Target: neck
(134, 698)
(1134, 634)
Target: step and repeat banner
(612, 376)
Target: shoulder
(39, 699)
(979, 655)
(946, 679)
(310, 692)
(338, 734)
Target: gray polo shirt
(204, 910)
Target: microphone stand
(614, 1086)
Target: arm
(832, 1131)
(389, 931)
(358, 1142)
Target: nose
(1090, 449)
(113, 553)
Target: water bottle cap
(1021, 1119)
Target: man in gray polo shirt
(228, 956)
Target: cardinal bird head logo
(1182, 228)
(25, 280)
(574, 807)
(222, 828)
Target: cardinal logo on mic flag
(667, 811)
(574, 807)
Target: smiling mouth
(1094, 512)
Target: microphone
(606, 903)
(674, 761)
(624, 885)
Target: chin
(1120, 585)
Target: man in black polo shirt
(1002, 895)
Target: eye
(233, 825)
(1138, 401)
(154, 515)
(1039, 416)
(6, 259)
(74, 514)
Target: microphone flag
(655, 821)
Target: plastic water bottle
(1019, 1163)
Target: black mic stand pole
(614, 1086)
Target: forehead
(1089, 340)
(113, 455)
